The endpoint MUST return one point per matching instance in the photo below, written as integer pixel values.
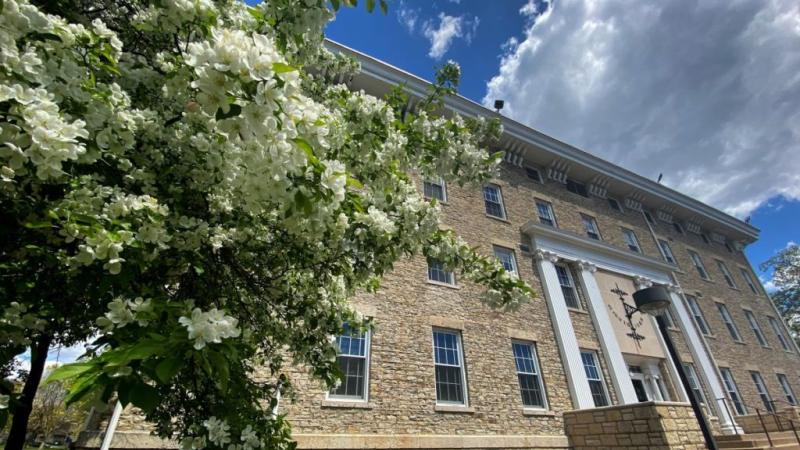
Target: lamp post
(654, 301)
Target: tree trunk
(22, 411)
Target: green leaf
(3, 412)
(144, 350)
(352, 182)
(69, 371)
(234, 111)
(370, 5)
(168, 368)
(335, 4)
(82, 386)
(282, 68)
(306, 147)
(36, 224)
(220, 365)
(384, 7)
(145, 397)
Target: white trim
(388, 74)
(112, 426)
(537, 367)
(349, 399)
(462, 365)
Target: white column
(703, 362)
(565, 333)
(618, 368)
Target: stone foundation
(650, 425)
(752, 424)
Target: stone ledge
(539, 413)
(344, 404)
(124, 440)
(415, 441)
(454, 409)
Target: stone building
(569, 368)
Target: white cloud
(407, 17)
(706, 92)
(448, 29)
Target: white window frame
(590, 226)
(498, 251)
(666, 252)
(498, 202)
(631, 239)
(727, 319)
(694, 382)
(761, 389)
(538, 178)
(573, 287)
(440, 183)
(461, 366)
(732, 389)
(697, 261)
(669, 317)
(756, 327)
(748, 280)
(726, 274)
(600, 378)
(778, 329)
(451, 278)
(788, 392)
(347, 398)
(538, 374)
(697, 314)
(613, 201)
(549, 209)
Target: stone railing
(652, 425)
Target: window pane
(506, 258)
(447, 360)
(352, 362)
(733, 391)
(527, 374)
(434, 190)
(437, 272)
(493, 201)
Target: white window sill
(458, 409)
(447, 285)
(346, 404)
(533, 412)
(500, 219)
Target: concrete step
(780, 440)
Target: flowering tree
(185, 180)
(786, 277)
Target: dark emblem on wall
(628, 320)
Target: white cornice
(415, 85)
(549, 240)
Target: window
(776, 327)
(506, 258)
(705, 238)
(787, 389)
(438, 273)
(435, 190)
(762, 390)
(567, 283)
(630, 239)
(726, 317)
(493, 199)
(697, 313)
(533, 174)
(733, 391)
(530, 382)
(678, 227)
(353, 361)
(728, 247)
(751, 319)
(614, 204)
(698, 264)
(666, 250)
(545, 210)
(577, 188)
(595, 378)
(590, 225)
(726, 274)
(694, 382)
(649, 217)
(447, 359)
(669, 321)
(748, 280)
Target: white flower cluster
(209, 327)
(121, 312)
(4, 399)
(15, 320)
(218, 431)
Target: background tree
(186, 180)
(50, 413)
(785, 266)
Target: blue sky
(707, 89)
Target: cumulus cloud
(706, 92)
(449, 28)
(407, 17)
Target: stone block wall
(650, 425)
